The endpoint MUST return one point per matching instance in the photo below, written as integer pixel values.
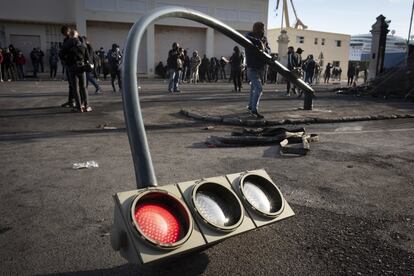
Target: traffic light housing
(152, 224)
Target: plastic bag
(85, 165)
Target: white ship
(395, 50)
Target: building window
(316, 41)
(323, 41)
(338, 43)
(300, 39)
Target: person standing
(173, 63)
(35, 57)
(222, 68)
(41, 57)
(309, 69)
(114, 60)
(92, 61)
(8, 65)
(1, 65)
(186, 66)
(64, 55)
(77, 61)
(214, 69)
(53, 62)
(203, 68)
(328, 72)
(236, 62)
(351, 74)
(101, 55)
(255, 66)
(194, 65)
(20, 62)
(294, 65)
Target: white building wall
(86, 14)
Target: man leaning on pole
(255, 66)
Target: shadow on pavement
(191, 264)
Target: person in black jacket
(236, 62)
(92, 60)
(174, 64)
(114, 60)
(294, 65)
(63, 55)
(77, 61)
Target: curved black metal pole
(144, 170)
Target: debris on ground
(104, 125)
(85, 165)
(291, 141)
(208, 128)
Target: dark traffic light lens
(161, 218)
(217, 205)
(261, 195)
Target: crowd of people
(13, 64)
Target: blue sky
(347, 16)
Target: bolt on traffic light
(155, 223)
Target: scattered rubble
(293, 141)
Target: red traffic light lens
(161, 219)
(158, 223)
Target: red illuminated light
(158, 223)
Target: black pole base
(307, 104)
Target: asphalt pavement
(352, 194)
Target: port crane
(285, 15)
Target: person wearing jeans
(174, 63)
(254, 76)
(255, 66)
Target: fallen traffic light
(155, 223)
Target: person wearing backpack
(78, 63)
(92, 60)
(114, 60)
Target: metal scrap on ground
(293, 141)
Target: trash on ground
(291, 141)
(208, 127)
(85, 165)
(109, 127)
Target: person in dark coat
(92, 60)
(204, 69)
(174, 63)
(236, 62)
(294, 65)
(77, 60)
(35, 57)
(309, 69)
(351, 74)
(328, 72)
(186, 67)
(1, 65)
(114, 61)
(64, 55)
(53, 62)
(20, 62)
